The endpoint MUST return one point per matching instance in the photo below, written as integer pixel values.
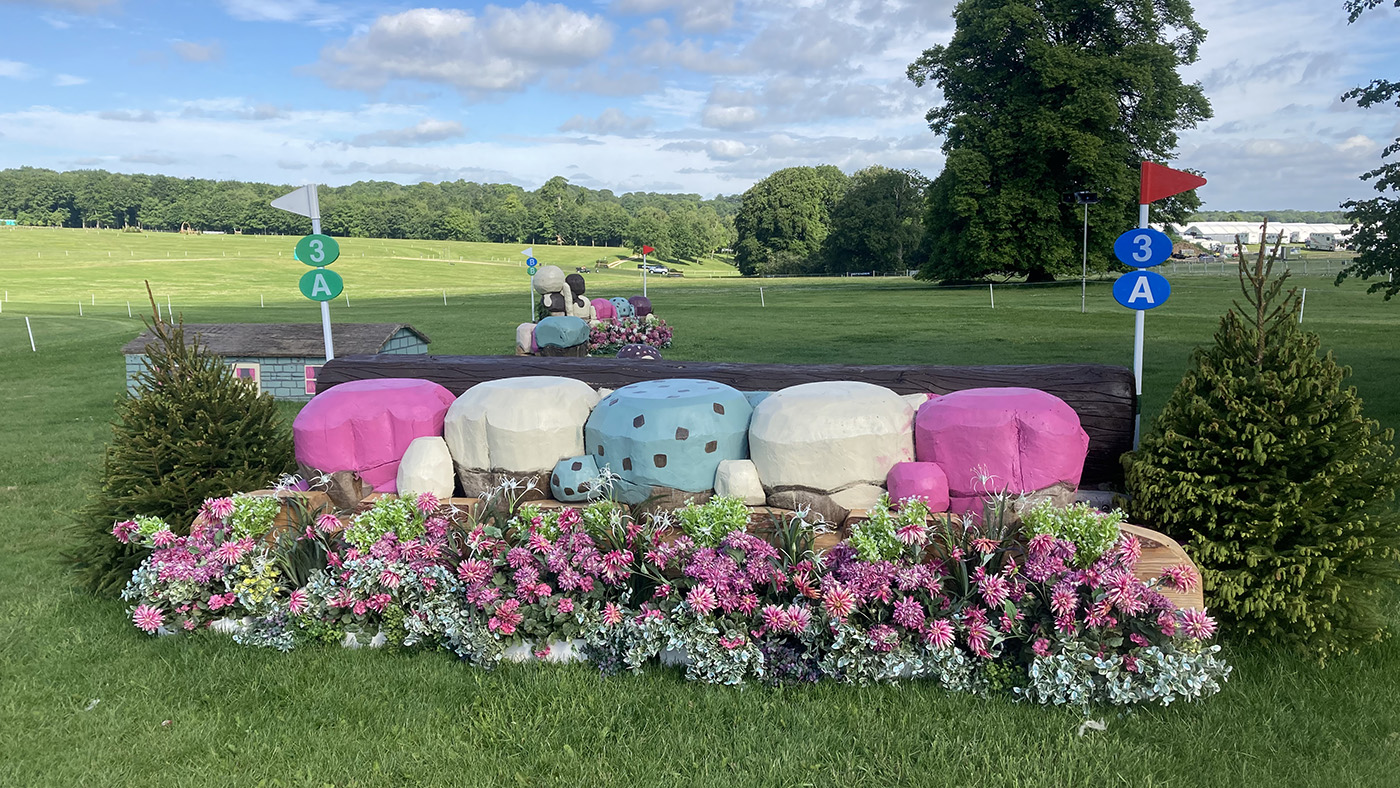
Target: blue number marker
(1143, 247)
(1141, 290)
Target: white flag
(302, 202)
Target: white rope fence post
(761, 301)
(31, 335)
(991, 294)
(1302, 303)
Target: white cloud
(418, 134)
(611, 121)
(706, 16)
(502, 50)
(309, 11)
(128, 116)
(68, 80)
(190, 52)
(13, 69)
(727, 149)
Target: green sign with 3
(317, 250)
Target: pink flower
(230, 553)
(566, 605)
(361, 607)
(163, 538)
(1041, 647)
(1196, 624)
(702, 600)
(994, 588)
(542, 654)
(426, 503)
(507, 617)
(798, 619)
(329, 524)
(147, 618)
(883, 637)
(389, 579)
(569, 517)
(1182, 577)
(774, 619)
(1130, 663)
(1129, 551)
(123, 531)
(732, 643)
(985, 546)
(188, 624)
(838, 601)
(1139, 640)
(912, 533)
(298, 602)
(939, 633)
(221, 508)
(612, 614)
(474, 571)
(908, 613)
(221, 601)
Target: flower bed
(976, 608)
(606, 337)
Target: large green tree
(784, 219)
(878, 223)
(1376, 222)
(1042, 98)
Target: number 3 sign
(1143, 247)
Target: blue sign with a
(1143, 247)
(1142, 290)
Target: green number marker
(321, 284)
(317, 250)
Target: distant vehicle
(582, 270)
(658, 269)
(1324, 242)
(1206, 258)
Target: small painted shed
(283, 359)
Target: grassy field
(204, 711)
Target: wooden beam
(1102, 395)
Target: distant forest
(684, 226)
(1287, 215)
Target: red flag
(647, 249)
(1159, 182)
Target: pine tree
(194, 431)
(1263, 465)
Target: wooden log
(1102, 395)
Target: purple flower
(1196, 624)
(908, 613)
(939, 633)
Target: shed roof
(283, 340)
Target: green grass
(245, 717)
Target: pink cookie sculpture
(366, 426)
(1017, 440)
(604, 309)
(924, 480)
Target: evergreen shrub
(1263, 465)
(193, 431)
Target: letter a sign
(1141, 290)
(321, 284)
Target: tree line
(681, 226)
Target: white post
(1138, 328)
(991, 294)
(347, 298)
(1301, 304)
(158, 312)
(644, 274)
(94, 299)
(315, 206)
(31, 335)
(169, 310)
(128, 309)
(261, 303)
(444, 298)
(80, 309)
(761, 301)
(1084, 272)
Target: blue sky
(702, 96)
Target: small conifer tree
(1263, 465)
(193, 431)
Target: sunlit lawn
(204, 711)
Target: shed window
(250, 372)
(311, 378)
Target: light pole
(1085, 199)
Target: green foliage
(1092, 531)
(785, 217)
(709, 522)
(193, 432)
(1376, 222)
(877, 537)
(389, 513)
(878, 223)
(1263, 465)
(1043, 98)
(253, 515)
